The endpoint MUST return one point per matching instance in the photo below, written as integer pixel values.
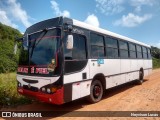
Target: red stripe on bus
(44, 38)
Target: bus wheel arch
(97, 88)
(101, 78)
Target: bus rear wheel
(96, 91)
(141, 75)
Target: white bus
(63, 59)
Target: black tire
(96, 91)
(141, 75)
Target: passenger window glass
(132, 50)
(96, 39)
(123, 45)
(124, 53)
(110, 42)
(79, 48)
(139, 55)
(144, 49)
(132, 54)
(97, 51)
(111, 48)
(149, 53)
(112, 53)
(139, 48)
(97, 45)
(132, 47)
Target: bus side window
(79, 48)
(149, 53)
(144, 52)
(111, 47)
(139, 51)
(123, 48)
(132, 50)
(97, 45)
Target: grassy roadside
(156, 63)
(8, 91)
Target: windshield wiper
(34, 44)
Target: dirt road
(128, 97)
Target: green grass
(8, 91)
(156, 63)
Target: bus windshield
(39, 48)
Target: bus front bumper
(55, 98)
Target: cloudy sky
(137, 19)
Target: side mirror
(69, 44)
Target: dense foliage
(8, 91)
(155, 52)
(156, 57)
(8, 60)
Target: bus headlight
(43, 89)
(48, 90)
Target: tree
(8, 60)
(155, 52)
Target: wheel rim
(96, 91)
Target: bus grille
(34, 89)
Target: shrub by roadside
(8, 91)
(156, 63)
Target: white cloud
(142, 2)
(5, 20)
(110, 7)
(132, 20)
(92, 20)
(65, 13)
(12, 12)
(138, 9)
(58, 12)
(55, 7)
(139, 3)
(18, 13)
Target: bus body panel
(80, 89)
(110, 67)
(41, 81)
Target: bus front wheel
(96, 91)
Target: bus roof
(103, 31)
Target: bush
(156, 63)
(8, 60)
(8, 91)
